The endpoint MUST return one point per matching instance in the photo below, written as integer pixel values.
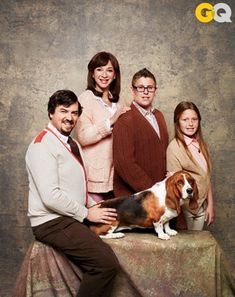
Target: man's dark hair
(65, 98)
(143, 73)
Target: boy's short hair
(143, 73)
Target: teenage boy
(140, 139)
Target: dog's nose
(189, 191)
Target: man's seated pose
(58, 202)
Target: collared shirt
(195, 150)
(112, 109)
(62, 137)
(148, 114)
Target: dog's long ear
(172, 195)
(193, 201)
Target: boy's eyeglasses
(141, 89)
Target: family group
(94, 148)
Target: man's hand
(97, 214)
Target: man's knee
(113, 264)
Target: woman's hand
(210, 212)
(97, 214)
(120, 110)
(210, 215)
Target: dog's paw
(171, 232)
(113, 235)
(118, 235)
(163, 236)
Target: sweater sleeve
(172, 162)
(92, 127)
(91, 201)
(42, 166)
(124, 160)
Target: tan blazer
(177, 159)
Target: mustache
(69, 121)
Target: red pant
(93, 256)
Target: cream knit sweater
(95, 136)
(57, 182)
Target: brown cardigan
(139, 155)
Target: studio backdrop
(45, 46)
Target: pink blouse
(195, 150)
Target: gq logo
(220, 12)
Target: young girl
(188, 151)
(101, 109)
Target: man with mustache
(58, 203)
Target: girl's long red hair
(180, 108)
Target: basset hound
(154, 207)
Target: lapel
(145, 122)
(48, 129)
(194, 165)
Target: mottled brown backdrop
(46, 45)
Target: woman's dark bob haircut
(102, 59)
